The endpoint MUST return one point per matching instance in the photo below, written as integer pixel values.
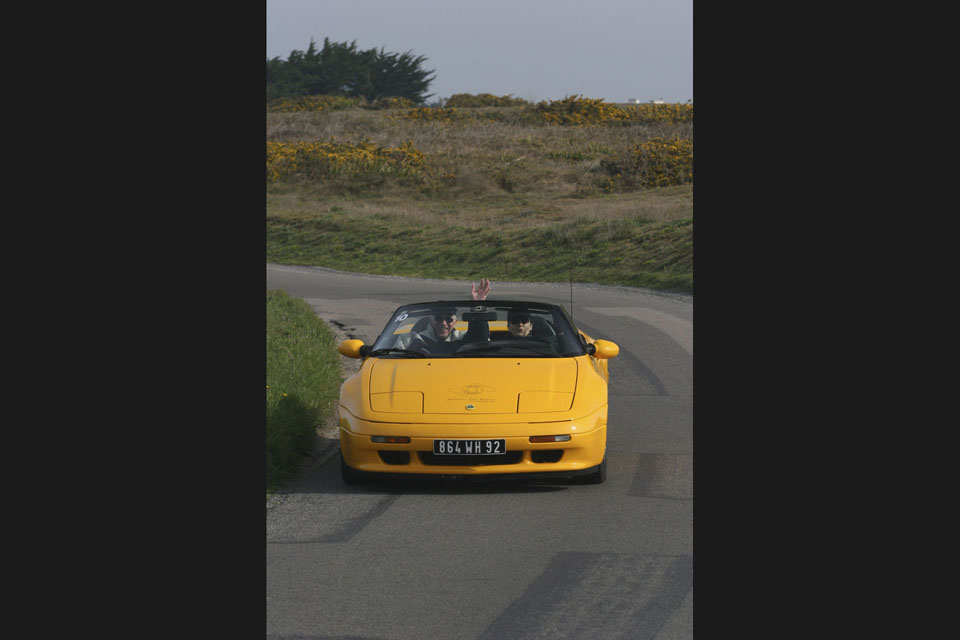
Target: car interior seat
(421, 325)
(541, 328)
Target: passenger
(519, 321)
(519, 324)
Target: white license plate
(469, 447)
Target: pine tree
(340, 69)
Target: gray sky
(533, 49)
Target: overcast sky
(533, 49)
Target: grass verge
(303, 383)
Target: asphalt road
(447, 560)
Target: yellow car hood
(473, 385)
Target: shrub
(670, 112)
(664, 162)
(443, 114)
(484, 100)
(322, 161)
(657, 162)
(313, 103)
(577, 110)
(391, 102)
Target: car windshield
(474, 329)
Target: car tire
(347, 474)
(597, 477)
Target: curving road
(496, 560)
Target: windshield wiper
(389, 350)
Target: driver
(438, 336)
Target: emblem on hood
(472, 389)
(470, 407)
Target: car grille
(429, 458)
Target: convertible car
(506, 389)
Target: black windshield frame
(552, 333)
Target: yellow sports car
(505, 389)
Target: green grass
(517, 200)
(303, 383)
(625, 251)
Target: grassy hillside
(573, 188)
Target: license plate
(469, 447)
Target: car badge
(472, 389)
(470, 407)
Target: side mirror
(353, 348)
(603, 349)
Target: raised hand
(481, 292)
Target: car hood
(473, 385)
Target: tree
(340, 69)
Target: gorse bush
(657, 162)
(483, 100)
(392, 102)
(313, 103)
(577, 110)
(650, 113)
(464, 115)
(335, 103)
(316, 161)
(444, 114)
(663, 163)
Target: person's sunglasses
(447, 319)
(519, 319)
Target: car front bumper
(580, 454)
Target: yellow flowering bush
(442, 114)
(456, 115)
(657, 162)
(312, 103)
(483, 100)
(392, 102)
(664, 162)
(323, 160)
(671, 112)
(577, 110)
